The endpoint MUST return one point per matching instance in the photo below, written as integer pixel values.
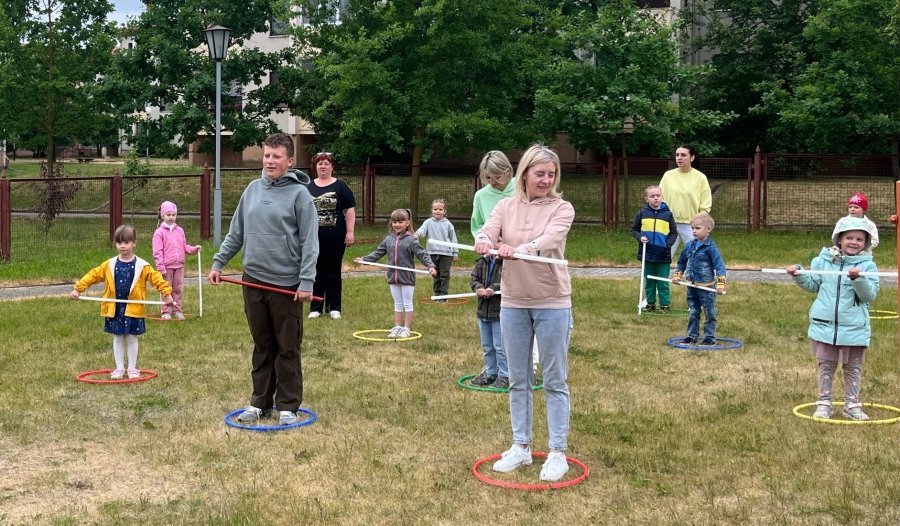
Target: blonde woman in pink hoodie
(169, 248)
(536, 303)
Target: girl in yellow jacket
(125, 278)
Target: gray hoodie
(277, 226)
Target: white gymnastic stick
(829, 272)
(686, 284)
(416, 270)
(114, 300)
(200, 283)
(517, 255)
(641, 301)
(462, 295)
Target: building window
(276, 83)
(278, 28)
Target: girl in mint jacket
(839, 324)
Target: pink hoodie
(536, 227)
(169, 247)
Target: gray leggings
(852, 377)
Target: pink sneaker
(117, 374)
(134, 373)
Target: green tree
(844, 93)
(408, 76)
(617, 84)
(169, 67)
(53, 53)
(755, 43)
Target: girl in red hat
(857, 207)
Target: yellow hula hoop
(883, 315)
(890, 408)
(361, 335)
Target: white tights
(119, 343)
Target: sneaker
(663, 308)
(404, 332)
(314, 314)
(179, 315)
(650, 307)
(287, 418)
(134, 373)
(252, 414)
(512, 458)
(394, 331)
(822, 411)
(335, 314)
(709, 340)
(554, 467)
(688, 341)
(855, 412)
(166, 316)
(117, 374)
(502, 382)
(484, 379)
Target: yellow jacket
(143, 272)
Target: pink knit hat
(166, 207)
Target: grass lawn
(671, 437)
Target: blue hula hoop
(301, 423)
(722, 344)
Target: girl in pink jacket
(169, 248)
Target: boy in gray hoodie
(276, 225)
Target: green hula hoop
(462, 382)
(361, 335)
(890, 408)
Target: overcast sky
(126, 8)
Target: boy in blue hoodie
(654, 227)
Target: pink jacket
(169, 247)
(536, 227)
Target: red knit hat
(859, 200)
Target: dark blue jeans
(697, 299)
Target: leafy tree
(844, 93)
(412, 75)
(169, 67)
(755, 43)
(615, 85)
(53, 52)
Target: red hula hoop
(530, 487)
(263, 287)
(146, 374)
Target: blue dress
(121, 324)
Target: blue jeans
(492, 345)
(697, 299)
(552, 327)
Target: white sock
(132, 341)
(119, 350)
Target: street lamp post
(217, 42)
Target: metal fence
(768, 191)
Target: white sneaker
(395, 330)
(822, 411)
(554, 467)
(335, 315)
(855, 412)
(512, 458)
(314, 314)
(403, 333)
(288, 418)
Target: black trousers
(328, 275)
(276, 325)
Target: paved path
(743, 276)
